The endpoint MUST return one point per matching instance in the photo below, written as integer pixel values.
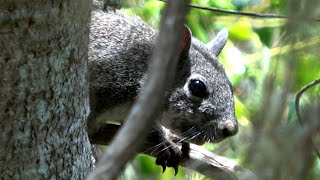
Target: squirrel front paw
(170, 154)
(169, 149)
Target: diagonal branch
(215, 166)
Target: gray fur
(119, 51)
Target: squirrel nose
(229, 128)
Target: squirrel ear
(216, 45)
(185, 42)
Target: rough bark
(44, 96)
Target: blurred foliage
(268, 61)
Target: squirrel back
(199, 106)
(118, 58)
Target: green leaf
(240, 31)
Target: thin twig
(297, 107)
(240, 13)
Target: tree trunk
(44, 89)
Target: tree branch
(240, 13)
(297, 107)
(215, 166)
(163, 64)
(201, 160)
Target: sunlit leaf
(241, 30)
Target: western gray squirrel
(199, 106)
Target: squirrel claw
(161, 162)
(175, 170)
(163, 168)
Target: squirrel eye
(198, 88)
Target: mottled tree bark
(43, 89)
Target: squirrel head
(200, 105)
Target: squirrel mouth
(199, 141)
(196, 135)
(199, 136)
